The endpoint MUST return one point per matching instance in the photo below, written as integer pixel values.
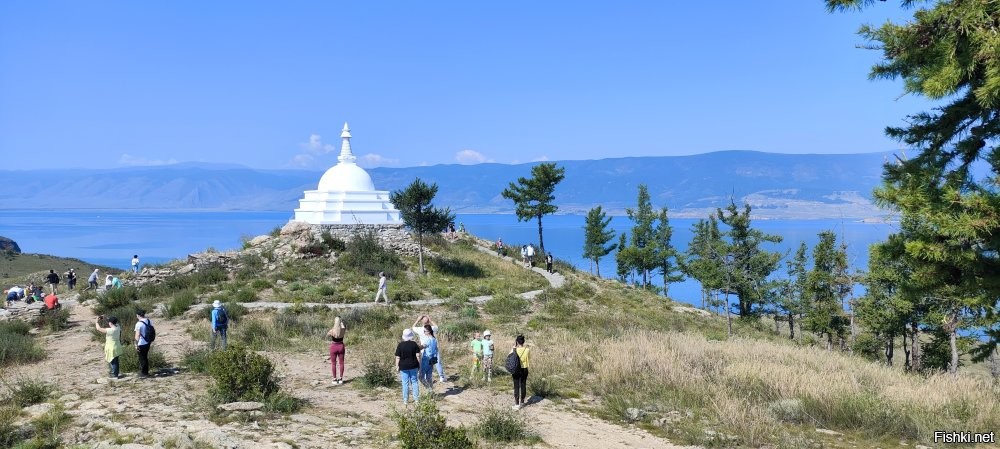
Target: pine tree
(623, 260)
(416, 210)
(826, 312)
(702, 259)
(793, 301)
(667, 257)
(597, 234)
(642, 248)
(948, 52)
(751, 265)
(533, 196)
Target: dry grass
(736, 385)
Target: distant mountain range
(802, 186)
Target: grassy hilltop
(617, 353)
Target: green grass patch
(16, 345)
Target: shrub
(378, 372)
(245, 295)
(128, 362)
(326, 290)
(197, 360)
(258, 334)
(457, 267)
(241, 375)
(25, 392)
(152, 291)
(506, 304)
(406, 293)
(364, 254)
(115, 298)
(461, 330)
(207, 275)
(251, 265)
(16, 346)
(502, 424)
(260, 284)
(10, 433)
(53, 320)
(377, 319)
(313, 249)
(182, 301)
(332, 243)
(425, 428)
(280, 402)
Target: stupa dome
(346, 178)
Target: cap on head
(487, 333)
(216, 304)
(408, 334)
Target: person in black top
(548, 263)
(71, 279)
(53, 279)
(408, 363)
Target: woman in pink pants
(336, 334)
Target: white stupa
(346, 195)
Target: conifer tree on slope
(597, 234)
(703, 258)
(533, 196)
(667, 256)
(826, 312)
(947, 53)
(416, 210)
(751, 265)
(643, 245)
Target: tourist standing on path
(407, 364)
(487, 356)
(428, 357)
(548, 263)
(92, 280)
(337, 350)
(53, 280)
(477, 354)
(107, 283)
(521, 377)
(524, 254)
(143, 328)
(220, 324)
(418, 329)
(500, 250)
(112, 343)
(530, 251)
(71, 279)
(135, 263)
(382, 287)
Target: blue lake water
(111, 237)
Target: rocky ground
(170, 411)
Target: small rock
(831, 432)
(241, 406)
(634, 414)
(69, 397)
(186, 269)
(255, 413)
(280, 282)
(259, 240)
(38, 409)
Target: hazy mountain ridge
(777, 185)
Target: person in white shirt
(382, 291)
(135, 263)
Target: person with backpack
(145, 334)
(517, 365)
(53, 279)
(220, 324)
(337, 350)
(112, 343)
(548, 263)
(71, 279)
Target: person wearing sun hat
(487, 356)
(220, 323)
(408, 364)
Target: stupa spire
(346, 156)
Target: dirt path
(170, 408)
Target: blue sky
(269, 84)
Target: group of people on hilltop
(528, 253)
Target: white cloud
(129, 160)
(542, 158)
(314, 147)
(376, 160)
(471, 157)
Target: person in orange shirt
(51, 302)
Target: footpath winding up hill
(165, 411)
